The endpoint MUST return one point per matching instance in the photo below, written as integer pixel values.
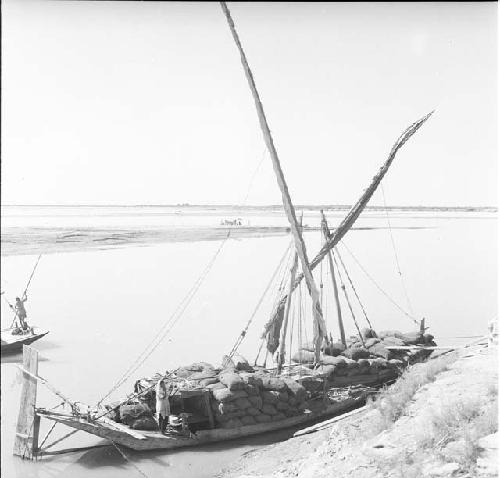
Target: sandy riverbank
(449, 428)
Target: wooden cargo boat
(332, 392)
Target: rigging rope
(405, 291)
(342, 286)
(167, 327)
(378, 287)
(353, 288)
(127, 459)
(240, 338)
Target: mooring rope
(128, 460)
(342, 286)
(243, 333)
(386, 295)
(165, 329)
(353, 288)
(403, 284)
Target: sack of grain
(271, 397)
(233, 423)
(241, 363)
(368, 333)
(209, 381)
(216, 386)
(296, 389)
(256, 401)
(114, 411)
(412, 338)
(364, 366)
(228, 407)
(252, 389)
(292, 401)
(337, 361)
(248, 420)
(334, 349)
(390, 333)
(303, 356)
(283, 396)
(269, 409)
(188, 370)
(278, 417)
(353, 369)
(282, 406)
(226, 395)
(252, 411)
(262, 418)
(311, 384)
(370, 342)
(231, 380)
(130, 413)
(251, 379)
(356, 353)
(144, 423)
(273, 384)
(392, 341)
(428, 338)
(242, 403)
(378, 350)
(209, 373)
(325, 371)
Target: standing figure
(162, 405)
(21, 311)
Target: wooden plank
(416, 347)
(26, 427)
(326, 423)
(122, 428)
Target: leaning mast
(319, 323)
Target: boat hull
(14, 343)
(157, 441)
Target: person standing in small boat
(162, 405)
(21, 311)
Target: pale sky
(147, 103)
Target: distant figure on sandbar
(162, 405)
(21, 311)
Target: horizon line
(297, 206)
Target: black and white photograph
(249, 239)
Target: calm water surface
(103, 307)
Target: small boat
(13, 339)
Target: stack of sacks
(249, 398)
(137, 416)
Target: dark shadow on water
(41, 346)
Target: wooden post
(28, 424)
(422, 326)
(326, 233)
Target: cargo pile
(248, 398)
(368, 356)
(241, 394)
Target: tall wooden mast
(319, 323)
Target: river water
(104, 304)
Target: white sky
(147, 103)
